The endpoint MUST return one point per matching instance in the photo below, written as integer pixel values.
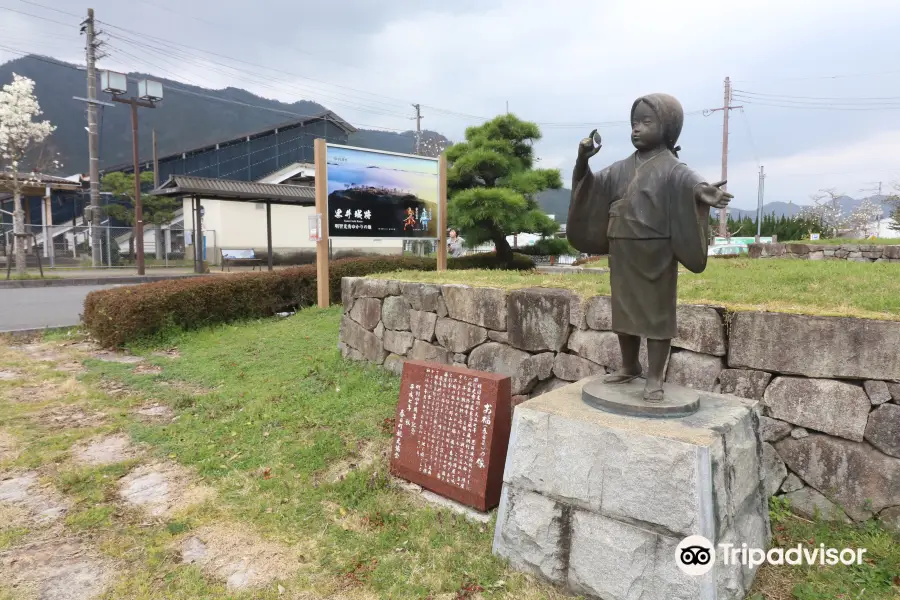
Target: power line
(403, 102)
(53, 9)
(52, 61)
(828, 98)
(248, 77)
(819, 77)
(264, 82)
(750, 135)
(35, 16)
(822, 103)
(822, 107)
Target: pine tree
(492, 184)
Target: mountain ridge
(189, 116)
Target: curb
(21, 333)
(569, 270)
(38, 283)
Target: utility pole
(759, 202)
(727, 107)
(138, 202)
(418, 108)
(93, 135)
(155, 163)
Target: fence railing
(70, 246)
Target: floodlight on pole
(114, 83)
(151, 91)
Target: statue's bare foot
(624, 375)
(653, 392)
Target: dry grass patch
(190, 389)
(10, 374)
(233, 553)
(45, 391)
(155, 412)
(9, 447)
(41, 352)
(368, 452)
(348, 520)
(147, 370)
(170, 353)
(72, 416)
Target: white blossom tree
(432, 145)
(863, 217)
(826, 210)
(894, 200)
(19, 133)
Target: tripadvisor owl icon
(695, 555)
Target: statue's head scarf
(669, 112)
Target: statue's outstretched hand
(713, 195)
(587, 147)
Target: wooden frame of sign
(320, 156)
(452, 431)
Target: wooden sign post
(442, 216)
(320, 154)
(370, 205)
(452, 431)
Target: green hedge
(122, 315)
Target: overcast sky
(569, 65)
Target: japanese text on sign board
(449, 421)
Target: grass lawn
(291, 439)
(833, 288)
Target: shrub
(488, 260)
(549, 247)
(122, 315)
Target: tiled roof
(229, 189)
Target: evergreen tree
(492, 184)
(157, 210)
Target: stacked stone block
(851, 252)
(828, 388)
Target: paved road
(33, 308)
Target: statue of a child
(648, 212)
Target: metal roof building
(252, 156)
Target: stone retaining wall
(854, 252)
(829, 387)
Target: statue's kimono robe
(644, 214)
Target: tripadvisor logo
(696, 555)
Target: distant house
(280, 154)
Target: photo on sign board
(381, 195)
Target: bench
(247, 255)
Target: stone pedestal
(597, 502)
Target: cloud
(847, 167)
(574, 62)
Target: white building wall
(241, 225)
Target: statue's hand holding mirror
(590, 145)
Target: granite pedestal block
(597, 502)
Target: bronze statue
(649, 212)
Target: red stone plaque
(452, 432)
